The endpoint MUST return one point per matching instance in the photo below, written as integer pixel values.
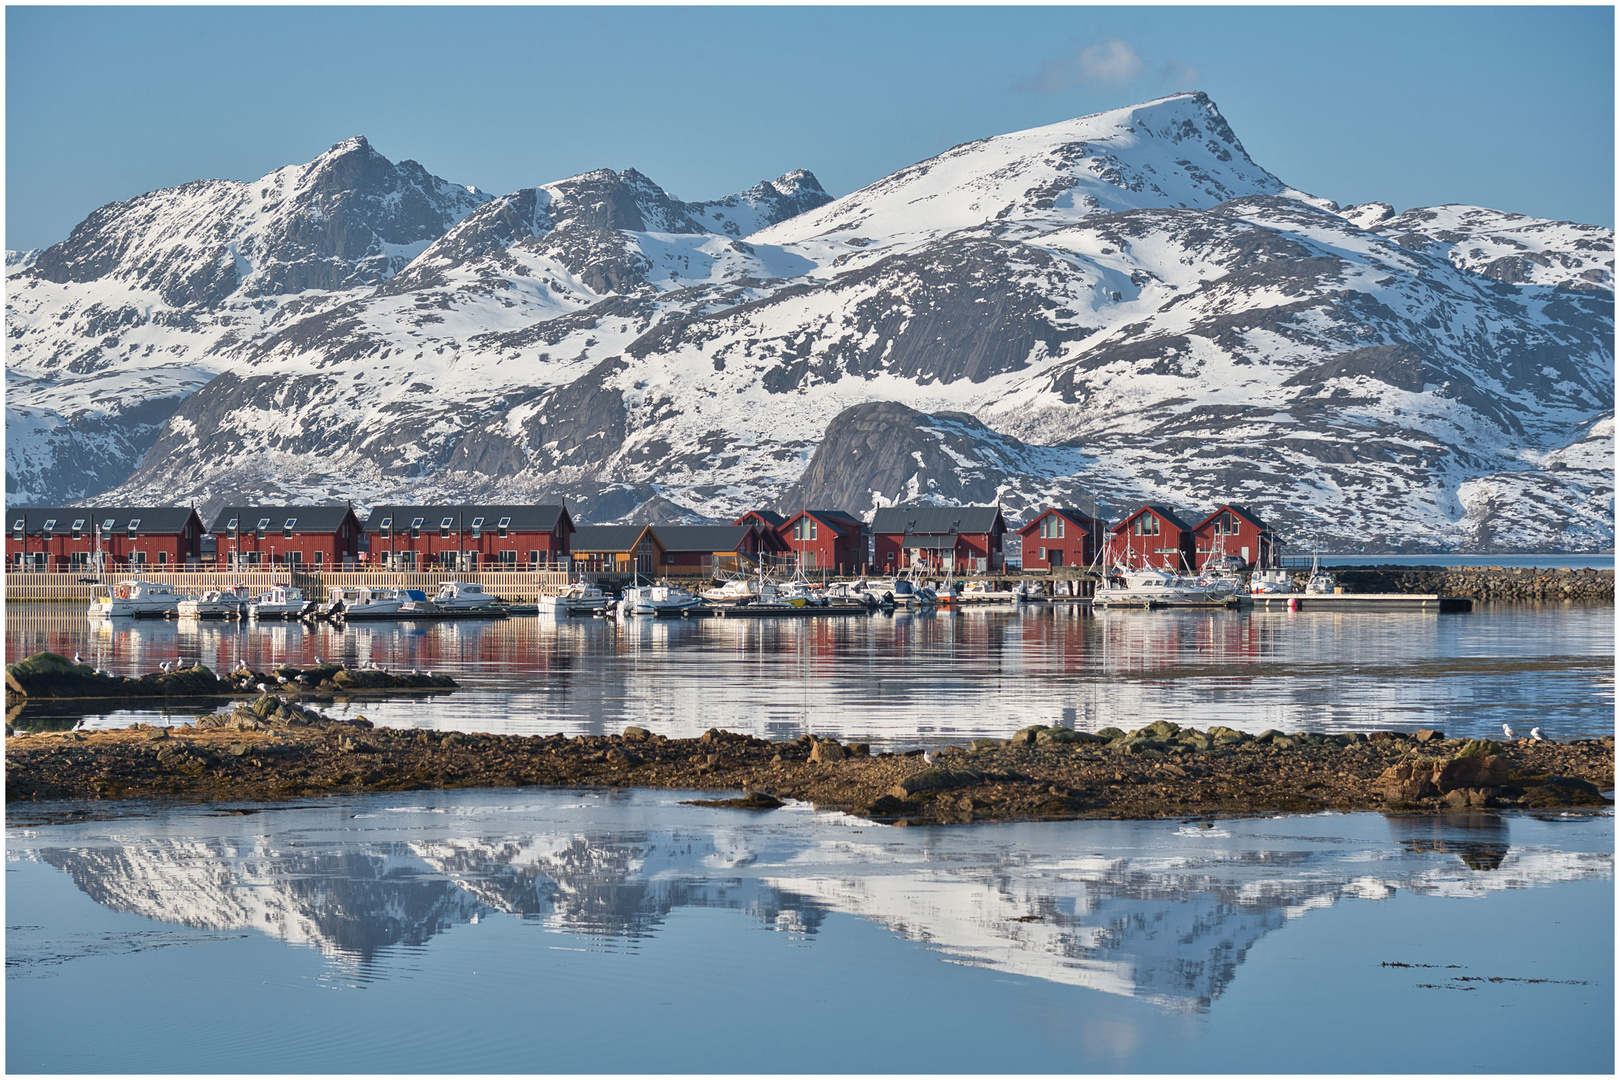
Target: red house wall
(159, 549)
(1074, 546)
(1171, 549)
(1209, 546)
(833, 551)
(489, 544)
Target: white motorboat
(742, 590)
(1320, 582)
(1030, 592)
(577, 599)
(1151, 586)
(655, 600)
(1270, 583)
(903, 592)
(216, 604)
(278, 602)
(800, 593)
(135, 599)
(980, 592)
(462, 596)
(361, 602)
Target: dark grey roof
(589, 538)
(937, 520)
(310, 519)
(837, 518)
(1163, 511)
(524, 518)
(930, 542)
(1079, 517)
(769, 515)
(708, 538)
(1242, 510)
(153, 519)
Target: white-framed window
(18, 527)
(134, 523)
(287, 529)
(385, 527)
(416, 527)
(230, 528)
(1059, 522)
(444, 528)
(50, 523)
(264, 523)
(106, 526)
(812, 528)
(502, 525)
(78, 528)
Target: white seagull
(263, 689)
(282, 679)
(1535, 733)
(928, 757)
(164, 667)
(77, 659)
(1508, 732)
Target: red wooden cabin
(826, 540)
(503, 537)
(1059, 537)
(318, 537)
(65, 538)
(1153, 536)
(960, 538)
(1233, 532)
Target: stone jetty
(1479, 582)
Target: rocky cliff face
(1123, 306)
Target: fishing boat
(575, 599)
(134, 599)
(462, 596)
(345, 602)
(980, 592)
(1270, 583)
(1320, 582)
(216, 604)
(279, 602)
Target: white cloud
(1109, 63)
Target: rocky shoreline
(275, 750)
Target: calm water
(924, 679)
(621, 932)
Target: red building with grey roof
(494, 537)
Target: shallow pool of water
(598, 931)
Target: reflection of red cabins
(64, 538)
(316, 536)
(1153, 536)
(962, 538)
(703, 549)
(826, 540)
(1234, 532)
(1058, 537)
(504, 537)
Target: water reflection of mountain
(1172, 927)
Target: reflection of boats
(1152, 586)
(216, 604)
(655, 600)
(980, 592)
(577, 599)
(462, 596)
(361, 602)
(136, 599)
(278, 602)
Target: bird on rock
(1508, 731)
(263, 688)
(1535, 733)
(929, 757)
(77, 659)
(164, 667)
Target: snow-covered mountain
(1122, 306)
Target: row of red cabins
(518, 537)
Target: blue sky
(1505, 107)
